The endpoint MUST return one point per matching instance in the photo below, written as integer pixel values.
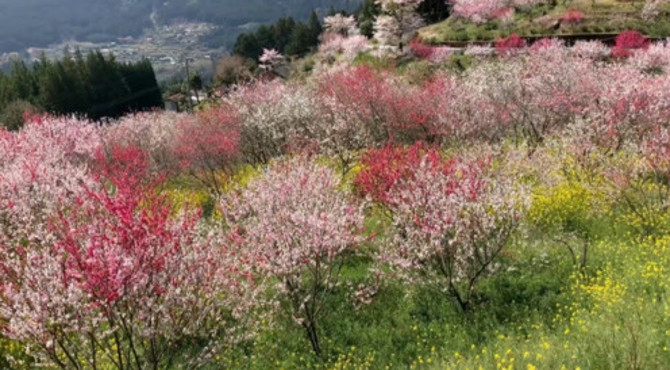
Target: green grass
(399, 329)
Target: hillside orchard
(512, 214)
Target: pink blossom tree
(208, 146)
(99, 273)
(478, 11)
(572, 16)
(270, 60)
(652, 8)
(276, 118)
(452, 220)
(301, 228)
(42, 167)
(537, 94)
(155, 133)
(590, 49)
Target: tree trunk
(313, 338)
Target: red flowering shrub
(420, 49)
(125, 165)
(382, 168)
(627, 41)
(358, 96)
(372, 109)
(572, 16)
(509, 45)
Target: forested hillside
(43, 22)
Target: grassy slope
(601, 18)
(540, 311)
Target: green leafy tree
(63, 88)
(144, 90)
(266, 37)
(107, 88)
(196, 84)
(23, 83)
(233, 69)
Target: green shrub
(13, 355)
(12, 116)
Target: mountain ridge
(39, 23)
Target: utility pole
(188, 84)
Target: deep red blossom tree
(372, 108)
(360, 93)
(420, 49)
(125, 167)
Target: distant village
(168, 48)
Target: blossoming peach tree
(451, 220)
(110, 279)
(301, 228)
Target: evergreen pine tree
(366, 17)
(265, 35)
(247, 46)
(283, 30)
(434, 11)
(301, 41)
(108, 90)
(23, 83)
(315, 28)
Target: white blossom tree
(398, 21)
(340, 24)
